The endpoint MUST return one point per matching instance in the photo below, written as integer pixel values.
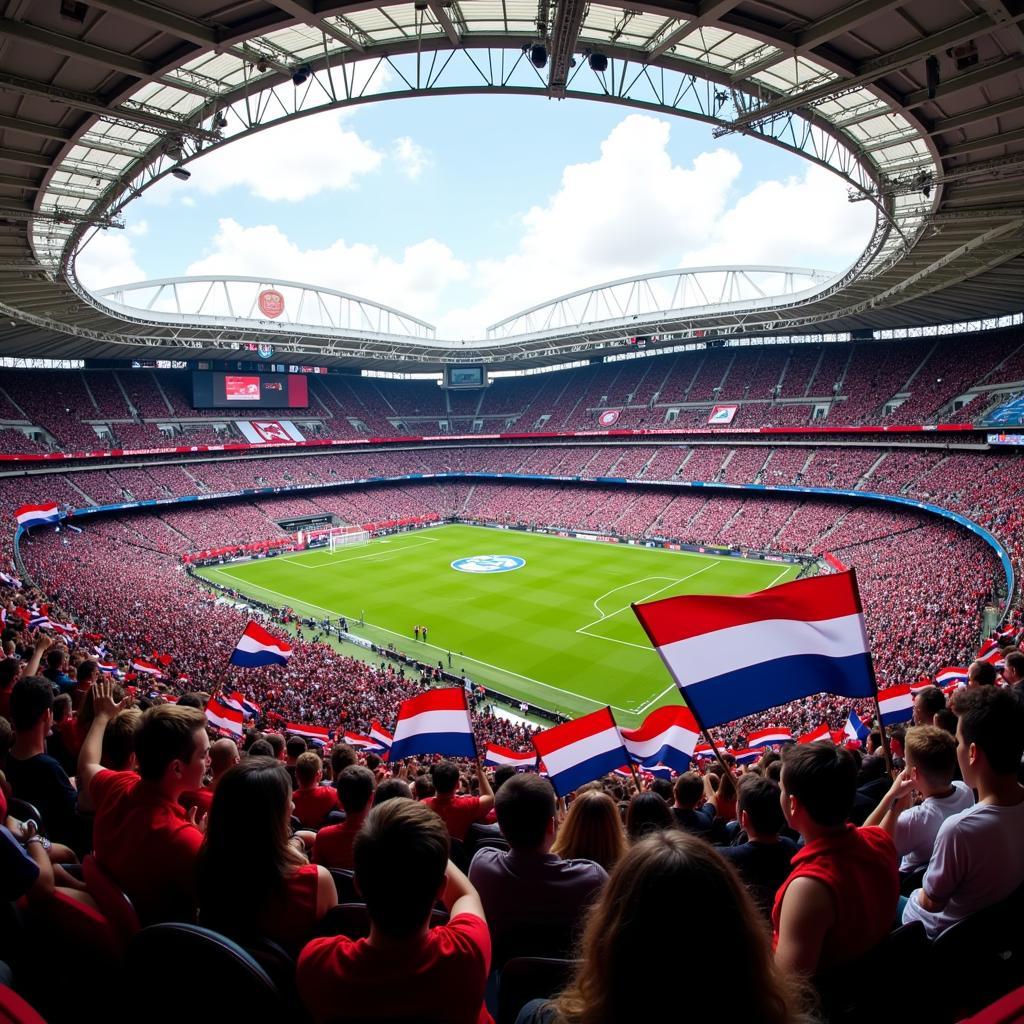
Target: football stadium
(466, 545)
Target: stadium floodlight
(538, 55)
(180, 173)
(598, 62)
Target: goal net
(347, 536)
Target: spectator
(688, 811)
(355, 789)
(261, 748)
(342, 755)
(10, 672)
(763, 861)
(294, 748)
(630, 949)
(1013, 673)
(33, 774)
(56, 669)
(840, 897)
(978, 858)
(85, 676)
(392, 789)
(405, 969)
(142, 836)
(928, 702)
(647, 813)
(592, 830)
(529, 888)
(223, 756)
(118, 752)
(312, 801)
(253, 878)
(458, 812)
(931, 767)
(981, 673)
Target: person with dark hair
(276, 741)
(981, 673)
(405, 969)
(10, 672)
(143, 838)
(313, 801)
(840, 897)
(458, 812)
(253, 878)
(86, 675)
(56, 669)
(261, 748)
(354, 788)
(223, 756)
(630, 958)
(647, 813)
(119, 741)
(978, 858)
(529, 886)
(392, 789)
(342, 755)
(764, 860)
(690, 814)
(33, 774)
(927, 703)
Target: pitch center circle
(479, 564)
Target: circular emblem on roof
(608, 418)
(265, 351)
(271, 302)
(488, 563)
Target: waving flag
(896, 704)
(950, 674)
(766, 737)
(220, 716)
(668, 735)
(250, 708)
(748, 756)
(994, 655)
(381, 735)
(495, 757)
(734, 656)
(257, 648)
(10, 581)
(435, 722)
(147, 668)
(581, 751)
(704, 751)
(233, 700)
(854, 729)
(37, 515)
(353, 739)
(821, 733)
(38, 620)
(659, 771)
(109, 668)
(315, 733)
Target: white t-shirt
(917, 827)
(978, 861)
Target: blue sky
(465, 209)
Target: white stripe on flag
(432, 722)
(753, 643)
(564, 758)
(675, 736)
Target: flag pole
(886, 754)
(636, 779)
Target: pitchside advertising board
(247, 390)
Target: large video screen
(246, 390)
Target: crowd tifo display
(111, 589)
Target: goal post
(346, 537)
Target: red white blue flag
(668, 736)
(316, 733)
(581, 751)
(766, 737)
(37, 515)
(896, 704)
(823, 732)
(257, 648)
(951, 674)
(495, 757)
(734, 656)
(382, 736)
(222, 717)
(435, 722)
(147, 668)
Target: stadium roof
(919, 105)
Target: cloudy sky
(463, 210)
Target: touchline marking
(291, 602)
(623, 587)
(355, 558)
(779, 577)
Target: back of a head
(445, 776)
(295, 747)
(307, 766)
(647, 813)
(31, 699)
(119, 739)
(223, 755)
(993, 720)
(688, 790)
(525, 806)
(592, 830)
(61, 707)
(9, 671)
(632, 934)
(166, 733)
(930, 699)
(342, 755)
(391, 789)
(981, 673)
(261, 748)
(276, 741)
(400, 855)
(502, 774)
(758, 797)
(932, 751)
(55, 658)
(1015, 660)
(355, 787)
(87, 670)
(823, 778)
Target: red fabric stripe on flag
(452, 698)
(810, 600)
(660, 720)
(493, 748)
(570, 732)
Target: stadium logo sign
(271, 302)
(488, 563)
(609, 417)
(265, 351)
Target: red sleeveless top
(290, 918)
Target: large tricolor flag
(854, 729)
(748, 756)
(895, 704)
(316, 733)
(734, 656)
(495, 757)
(668, 736)
(580, 751)
(257, 648)
(766, 737)
(950, 675)
(659, 771)
(382, 736)
(220, 716)
(823, 732)
(234, 700)
(435, 722)
(37, 515)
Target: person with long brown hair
(665, 886)
(592, 830)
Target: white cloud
(413, 284)
(412, 158)
(139, 228)
(108, 259)
(187, 201)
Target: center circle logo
(488, 563)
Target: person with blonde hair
(633, 933)
(592, 830)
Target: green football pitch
(558, 631)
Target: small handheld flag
(147, 668)
(823, 732)
(766, 737)
(581, 751)
(854, 729)
(668, 736)
(220, 716)
(257, 648)
(496, 757)
(435, 722)
(895, 704)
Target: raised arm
(43, 644)
(486, 793)
(893, 804)
(459, 895)
(89, 765)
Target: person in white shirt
(931, 767)
(979, 853)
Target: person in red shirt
(254, 879)
(841, 895)
(142, 837)
(333, 847)
(223, 755)
(312, 801)
(458, 812)
(405, 969)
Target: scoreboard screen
(243, 390)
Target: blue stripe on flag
(256, 659)
(676, 759)
(768, 684)
(897, 716)
(453, 744)
(586, 771)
